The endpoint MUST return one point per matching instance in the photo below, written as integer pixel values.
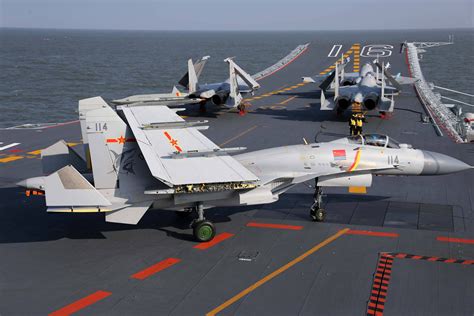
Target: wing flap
(161, 148)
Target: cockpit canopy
(378, 140)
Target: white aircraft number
(373, 50)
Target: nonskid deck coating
(52, 260)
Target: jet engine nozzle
(370, 101)
(343, 102)
(438, 164)
(219, 97)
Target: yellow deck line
(238, 135)
(10, 158)
(276, 272)
(35, 152)
(287, 100)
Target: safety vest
(359, 122)
(353, 122)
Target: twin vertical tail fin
(191, 77)
(236, 73)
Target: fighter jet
(148, 157)
(176, 97)
(363, 91)
(227, 93)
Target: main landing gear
(317, 213)
(203, 230)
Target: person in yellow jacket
(353, 124)
(360, 119)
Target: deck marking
(378, 294)
(455, 240)
(276, 226)
(239, 135)
(335, 50)
(371, 233)
(287, 100)
(8, 146)
(35, 152)
(80, 304)
(216, 240)
(276, 272)
(277, 91)
(162, 265)
(10, 158)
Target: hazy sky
(237, 14)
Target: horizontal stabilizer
(129, 214)
(68, 188)
(326, 105)
(60, 155)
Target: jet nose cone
(438, 164)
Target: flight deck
(404, 246)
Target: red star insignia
(121, 140)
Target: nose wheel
(316, 212)
(203, 230)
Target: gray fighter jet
(148, 157)
(227, 93)
(363, 91)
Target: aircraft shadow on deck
(25, 219)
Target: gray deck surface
(48, 261)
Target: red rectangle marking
(80, 304)
(371, 233)
(277, 226)
(455, 240)
(155, 268)
(217, 239)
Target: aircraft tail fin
(60, 155)
(191, 77)
(108, 137)
(68, 191)
(234, 98)
(236, 73)
(86, 105)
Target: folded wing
(177, 153)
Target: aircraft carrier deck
(405, 247)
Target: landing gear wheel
(204, 231)
(318, 215)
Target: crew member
(359, 123)
(352, 124)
